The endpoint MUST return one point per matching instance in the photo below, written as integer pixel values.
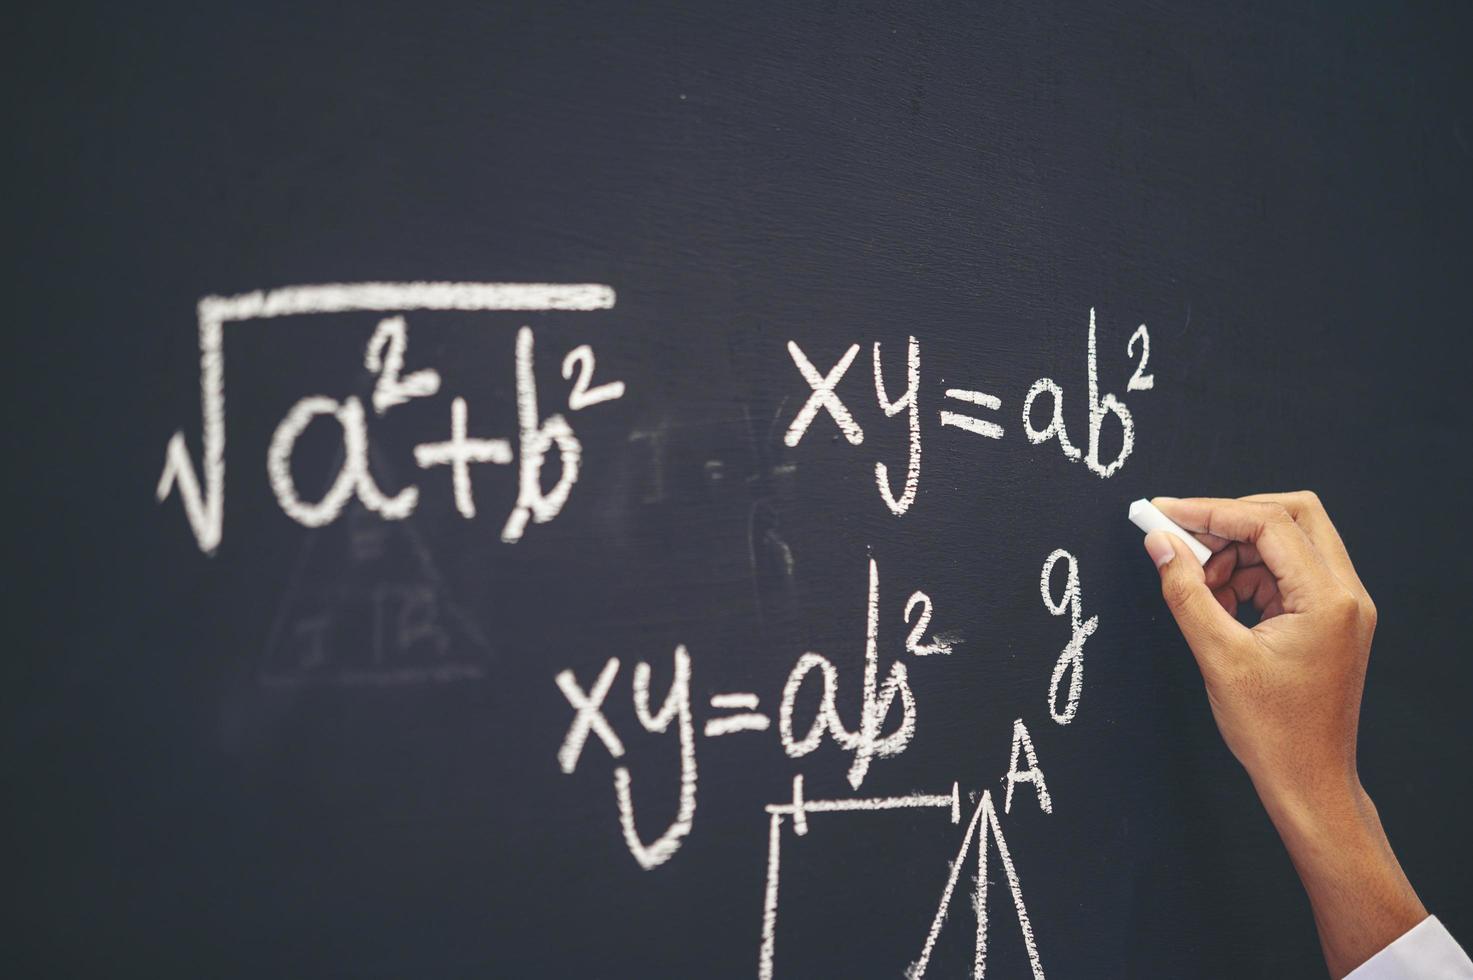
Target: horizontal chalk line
(917, 801)
(989, 429)
(975, 397)
(736, 723)
(729, 701)
(380, 296)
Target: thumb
(1208, 628)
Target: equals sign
(748, 721)
(979, 426)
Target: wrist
(1359, 895)
(1332, 804)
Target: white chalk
(1146, 516)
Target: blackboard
(272, 715)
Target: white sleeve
(1427, 951)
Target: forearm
(1361, 899)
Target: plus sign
(458, 453)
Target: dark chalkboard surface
(630, 677)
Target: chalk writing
(589, 717)
(968, 423)
(1071, 660)
(1140, 381)
(204, 499)
(985, 824)
(865, 742)
(798, 810)
(1022, 743)
(909, 401)
(823, 397)
(1099, 408)
(458, 452)
(746, 721)
(676, 707)
(411, 628)
(915, 642)
(385, 358)
(582, 396)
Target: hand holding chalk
(1292, 567)
(1286, 693)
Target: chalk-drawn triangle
(990, 831)
(984, 826)
(366, 605)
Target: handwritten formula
(860, 701)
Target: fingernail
(1158, 546)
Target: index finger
(1281, 543)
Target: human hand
(1286, 694)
